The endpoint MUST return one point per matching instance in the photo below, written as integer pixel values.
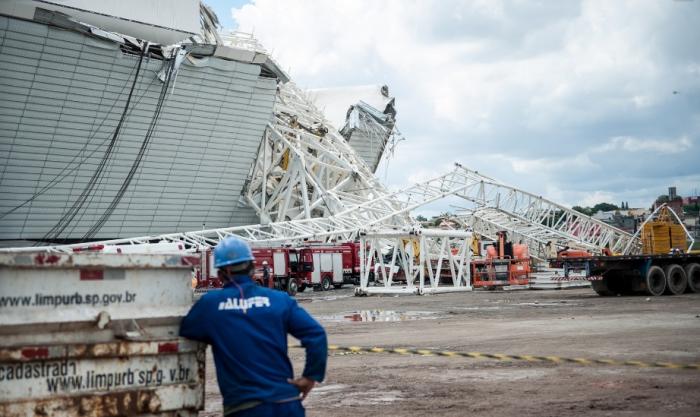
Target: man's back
(247, 326)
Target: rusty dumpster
(96, 335)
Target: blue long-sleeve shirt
(247, 327)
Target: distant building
(447, 224)
(627, 220)
(638, 212)
(674, 202)
(693, 226)
(672, 193)
(605, 216)
(677, 206)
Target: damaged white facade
(368, 124)
(96, 145)
(164, 22)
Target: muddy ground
(574, 323)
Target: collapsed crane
(494, 206)
(305, 169)
(542, 224)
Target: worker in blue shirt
(247, 327)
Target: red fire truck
(281, 264)
(292, 269)
(323, 265)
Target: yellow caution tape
(559, 360)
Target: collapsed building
(137, 125)
(119, 120)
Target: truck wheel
(301, 288)
(676, 280)
(325, 284)
(655, 281)
(692, 273)
(600, 286)
(292, 287)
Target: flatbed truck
(633, 274)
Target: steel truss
(496, 206)
(538, 221)
(420, 261)
(305, 168)
(389, 210)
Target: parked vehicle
(326, 265)
(282, 264)
(295, 268)
(651, 274)
(665, 267)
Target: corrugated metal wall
(369, 145)
(62, 94)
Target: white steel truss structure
(487, 221)
(496, 206)
(420, 262)
(537, 221)
(305, 168)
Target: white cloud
(574, 100)
(642, 101)
(632, 144)
(543, 165)
(591, 199)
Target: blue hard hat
(232, 250)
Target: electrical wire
(139, 157)
(67, 217)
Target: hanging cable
(171, 69)
(67, 217)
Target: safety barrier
(558, 360)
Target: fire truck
(325, 265)
(275, 267)
(293, 269)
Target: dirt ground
(575, 323)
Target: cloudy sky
(579, 101)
